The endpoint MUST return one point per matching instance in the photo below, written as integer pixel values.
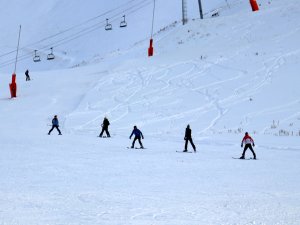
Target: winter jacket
(137, 133)
(55, 122)
(105, 123)
(188, 133)
(247, 140)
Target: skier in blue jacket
(55, 124)
(137, 136)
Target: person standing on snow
(248, 141)
(105, 125)
(55, 124)
(138, 134)
(27, 75)
(187, 138)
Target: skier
(27, 75)
(247, 140)
(105, 125)
(138, 134)
(188, 137)
(55, 124)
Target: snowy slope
(224, 76)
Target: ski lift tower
(13, 84)
(184, 12)
(200, 9)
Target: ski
(244, 158)
(184, 152)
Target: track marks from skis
(166, 94)
(161, 90)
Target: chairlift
(108, 25)
(36, 57)
(123, 23)
(51, 55)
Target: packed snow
(222, 75)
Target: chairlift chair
(36, 57)
(108, 25)
(51, 55)
(123, 23)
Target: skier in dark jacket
(188, 137)
(137, 136)
(55, 124)
(248, 141)
(105, 125)
(27, 75)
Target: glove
(241, 145)
(253, 145)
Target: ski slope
(224, 76)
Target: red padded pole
(150, 49)
(254, 5)
(13, 86)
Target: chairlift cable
(90, 29)
(80, 33)
(73, 27)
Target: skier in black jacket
(105, 125)
(188, 137)
(27, 75)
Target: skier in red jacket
(248, 141)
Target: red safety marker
(254, 5)
(150, 49)
(13, 86)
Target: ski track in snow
(138, 81)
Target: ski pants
(251, 149)
(27, 77)
(139, 139)
(106, 131)
(186, 143)
(54, 126)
